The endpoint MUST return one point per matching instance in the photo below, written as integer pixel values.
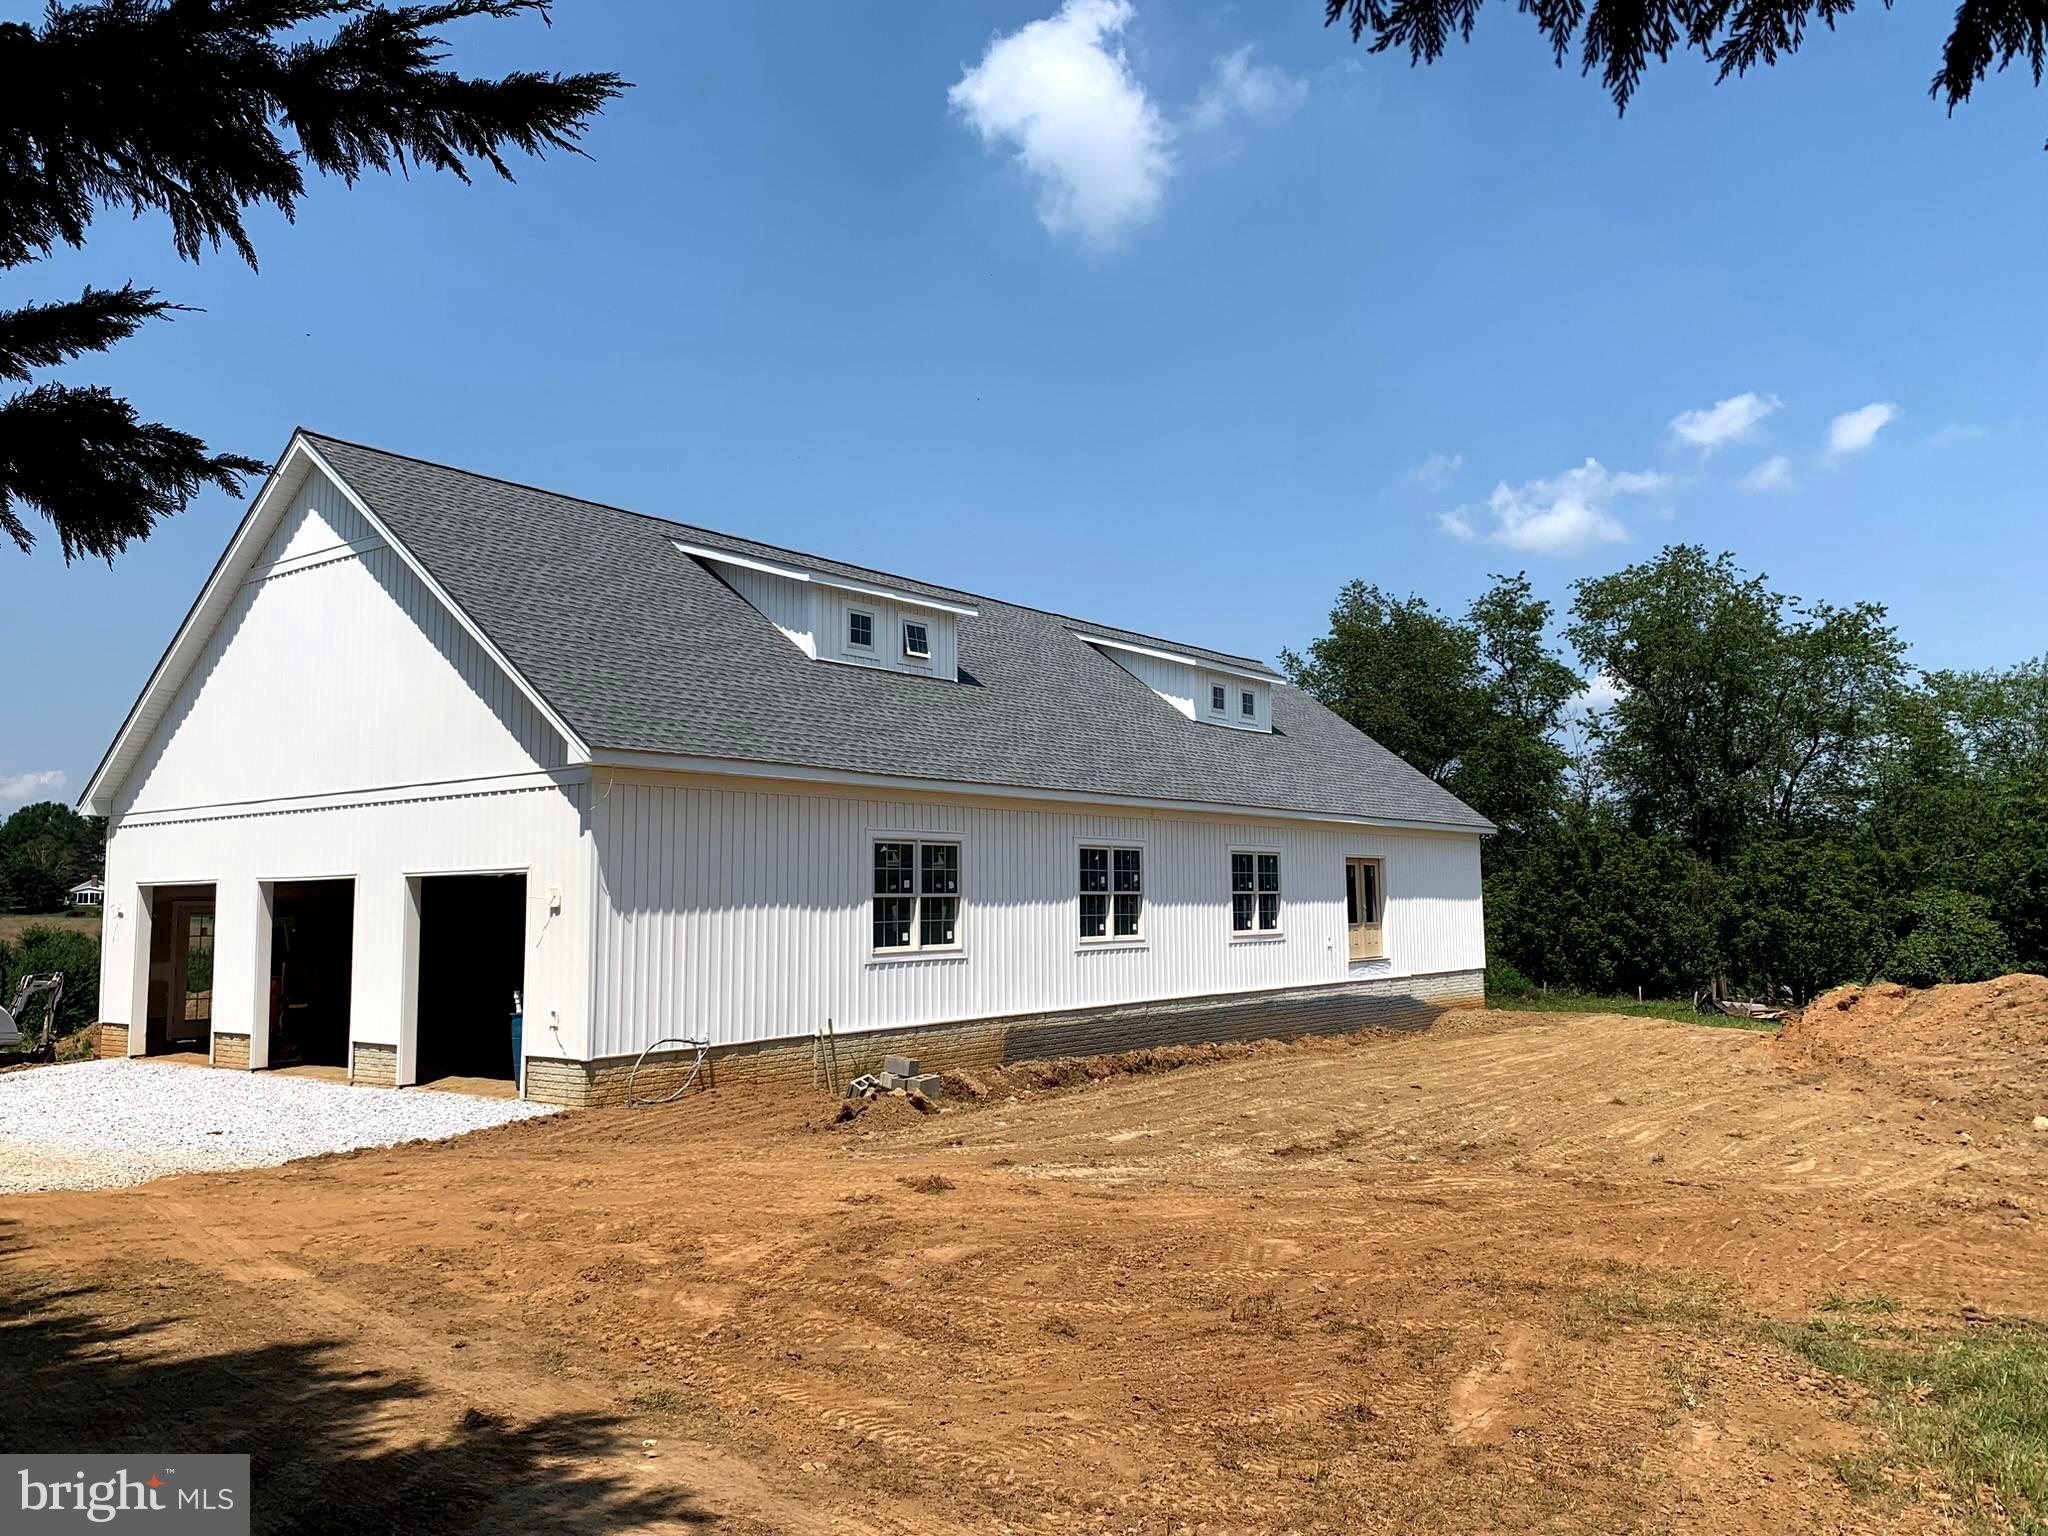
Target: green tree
(45, 849)
(1592, 905)
(1475, 703)
(1962, 798)
(1740, 709)
(203, 110)
(1805, 914)
(1947, 936)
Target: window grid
(1248, 704)
(1112, 883)
(1216, 699)
(916, 895)
(917, 640)
(1254, 892)
(860, 630)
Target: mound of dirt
(1983, 1046)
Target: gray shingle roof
(640, 648)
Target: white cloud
(1060, 91)
(1436, 472)
(1854, 431)
(31, 786)
(1600, 693)
(1733, 420)
(1774, 474)
(1957, 432)
(1557, 516)
(1237, 87)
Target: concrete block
(926, 1083)
(902, 1066)
(890, 1081)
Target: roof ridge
(783, 549)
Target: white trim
(738, 768)
(349, 799)
(1229, 669)
(1110, 938)
(1253, 934)
(354, 550)
(89, 798)
(578, 751)
(917, 949)
(235, 569)
(824, 579)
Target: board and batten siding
(335, 670)
(740, 913)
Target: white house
(86, 894)
(429, 742)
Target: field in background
(12, 923)
(1570, 1272)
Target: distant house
(88, 893)
(430, 745)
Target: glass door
(1362, 899)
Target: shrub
(37, 949)
(1504, 981)
(1949, 936)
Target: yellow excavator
(15, 1046)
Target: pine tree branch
(100, 476)
(176, 108)
(44, 335)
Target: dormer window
(860, 630)
(917, 641)
(1248, 704)
(1216, 704)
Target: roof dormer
(845, 619)
(1207, 689)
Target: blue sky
(1110, 315)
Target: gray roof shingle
(640, 648)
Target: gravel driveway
(104, 1124)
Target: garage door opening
(472, 967)
(180, 1006)
(312, 957)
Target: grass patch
(1972, 1406)
(1592, 1002)
(1868, 1305)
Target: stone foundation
(373, 1066)
(231, 1051)
(1407, 1002)
(112, 1041)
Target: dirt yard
(1508, 1274)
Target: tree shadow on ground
(76, 1376)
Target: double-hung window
(1254, 893)
(916, 895)
(1112, 892)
